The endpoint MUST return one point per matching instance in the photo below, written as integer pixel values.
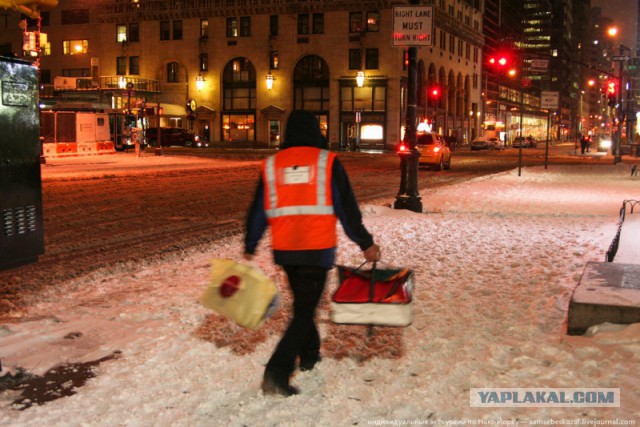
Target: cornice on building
(118, 12)
(162, 9)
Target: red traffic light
(434, 92)
(611, 88)
(500, 60)
(403, 148)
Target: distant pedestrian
(302, 191)
(584, 144)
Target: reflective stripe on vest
(320, 208)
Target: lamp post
(129, 89)
(158, 150)
(620, 111)
(617, 155)
(358, 112)
(408, 196)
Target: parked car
(174, 136)
(482, 143)
(433, 151)
(528, 142)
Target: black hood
(303, 130)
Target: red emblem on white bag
(229, 286)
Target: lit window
(75, 47)
(121, 33)
(371, 132)
(232, 27)
(204, 28)
(373, 22)
(204, 62)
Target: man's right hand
(372, 253)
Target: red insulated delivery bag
(373, 297)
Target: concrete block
(607, 292)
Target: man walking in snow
(303, 190)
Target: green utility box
(21, 227)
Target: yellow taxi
(434, 151)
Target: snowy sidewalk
(496, 260)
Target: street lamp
(199, 83)
(360, 78)
(621, 59)
(269, 79)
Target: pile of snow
(496, 260)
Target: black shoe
(272, 385)
(309, 364)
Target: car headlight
(605, 143)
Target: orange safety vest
(298, 199)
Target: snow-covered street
(496, 261)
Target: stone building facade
(207, 64)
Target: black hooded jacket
(303, 130)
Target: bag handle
(372, 286)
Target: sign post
(412, 27)
(549, 100)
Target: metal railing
(613, 248)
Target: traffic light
(501, 60)
(611, 94)
(434, 93)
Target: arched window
(311, 88)
(311, 84)
(239, 100)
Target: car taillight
(436, 149)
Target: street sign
(539, 65)
(413, 25)
(549, 99)
(525, 82)
(621, 58)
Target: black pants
(301, 337)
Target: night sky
(624, 13)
